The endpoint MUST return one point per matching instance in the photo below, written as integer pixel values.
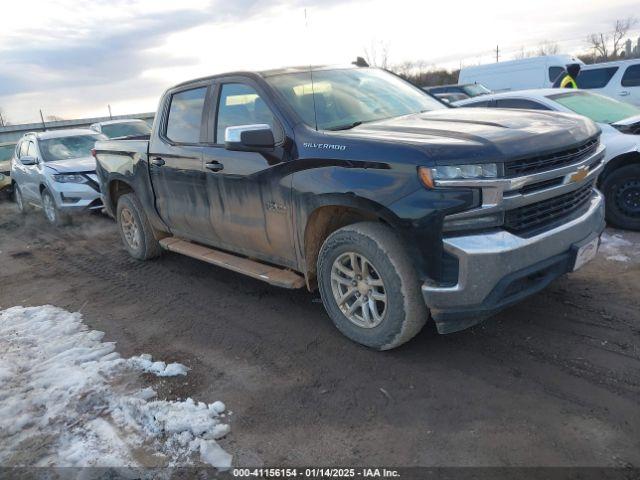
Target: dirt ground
(554, 381)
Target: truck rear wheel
(621, 189)
(135, 229)
(369, 286)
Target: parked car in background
(6, 152)
(534, 72)
(396, 207)
(122, 128)
(620, 124)
(54, 170)
(468, 90)
(619, 80)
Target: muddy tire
(23, 207)
(369, 287)
(51, 212)
(135, 229)
(621, 189)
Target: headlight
(69, 178)
(430, 176)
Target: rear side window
(520, 103)
(185, 116)
(554, 73)
(631, 77)
(596, 77)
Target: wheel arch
(115, 189)
(618, 162)
(329, 214)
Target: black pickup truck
(353, 181)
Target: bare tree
(377, 54)
(606, 45)
(620, 31)
(548, 48)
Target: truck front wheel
(135, 229)
(369, 287)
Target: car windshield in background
(596, 107)
(63, 148)
(348, 97)
(6, 152)
(475, 90)
(133, 129)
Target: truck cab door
(175, 163)
(249, 193)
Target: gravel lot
(554, 381)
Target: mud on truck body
(354, 182)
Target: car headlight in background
(69, 178)
(431, 175)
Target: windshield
(345, 98)
(475, 90)
(596, 107)
(6, 152)
(132, 129)
(63, 148)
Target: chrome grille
(541, 214)
(542, 163)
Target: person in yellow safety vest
(567, 79)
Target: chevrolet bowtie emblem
(580, 174)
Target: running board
(267, 273)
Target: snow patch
(69, 399)
(617, 248)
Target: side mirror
(249, 138)
(28, 160)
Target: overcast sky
(73, 57)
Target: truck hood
(73, 165)
(466, 135)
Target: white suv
(55, 171)
(619, 80)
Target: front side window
(185, 115)
(520, 103)
(32, 151)
(595, 77)
(554, 73)
(631, 77)
(342, 99)
(241, 104)
(596, 107)
(24, 146)
(64, 148)
(482, 104)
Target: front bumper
(499, 269)
(77, 197)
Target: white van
(619, 80)
(534, 72)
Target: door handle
(624, 93)
(214, 166)
(158, 161)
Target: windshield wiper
(348, 126)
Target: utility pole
(497, 53)
(110, 116)
(44, 127)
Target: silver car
(55, 171)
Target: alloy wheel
(130, 228)
(359, 290)
(49, 207)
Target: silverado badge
(580, 174)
